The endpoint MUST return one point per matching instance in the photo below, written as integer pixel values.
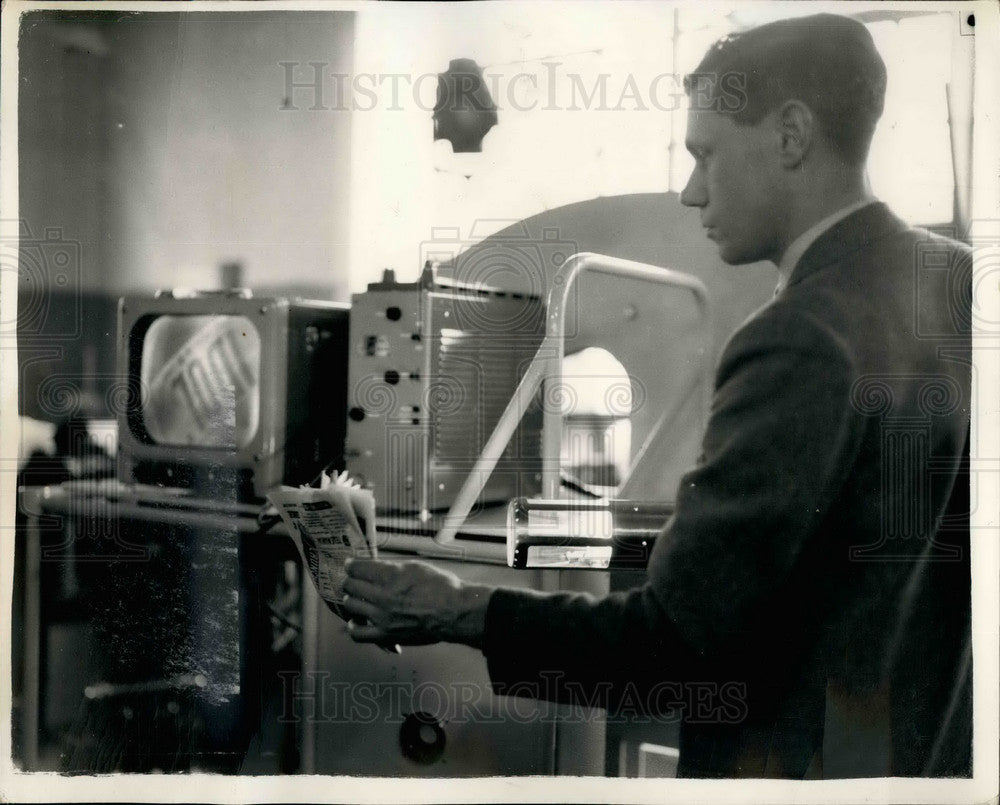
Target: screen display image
(200, 381)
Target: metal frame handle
(547, 365)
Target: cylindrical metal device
(585, 534)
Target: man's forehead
(705, 125)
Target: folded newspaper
(334, 523)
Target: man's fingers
(358, 588)
(365, 634)
(376, 571)
(360, 608)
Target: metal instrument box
(431, 711)
(432, 366)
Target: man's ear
(797, 128)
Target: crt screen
(200, 381)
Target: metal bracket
(547, 365)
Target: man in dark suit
(815, 573)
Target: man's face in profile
(736, 184)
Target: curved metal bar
(547, 365)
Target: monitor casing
(302, 396)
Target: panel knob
(422, 737)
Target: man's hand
(412, 603)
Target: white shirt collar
(798, 247)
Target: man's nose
(693, 194)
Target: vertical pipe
(32, 632)
(310, 664)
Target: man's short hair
(826, 61)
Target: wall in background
(577, 120)
(62, 155)
(162, 142)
